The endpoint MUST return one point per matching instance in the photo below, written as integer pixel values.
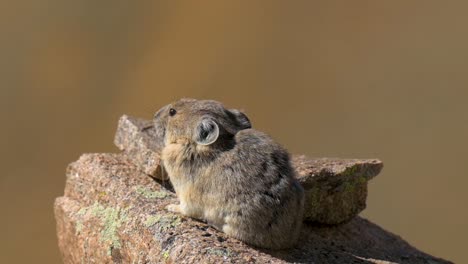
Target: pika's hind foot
(175, 208)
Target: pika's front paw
(175, 208)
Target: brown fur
(242, 183)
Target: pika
(235, 178)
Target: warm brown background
(384, 79)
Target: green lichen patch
(170, 221)
(78, 227)
(152, 220)
(165, 255)
(350, 186)
(82, 211)
(111, 219)
(222, 252)
(362, 179)
(351, 171)
(149, 194)
(353, 180)
(164, 221)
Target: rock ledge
(112, 212)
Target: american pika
(235, 178)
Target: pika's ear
(160, 122)
(241, 118)
(206, 132)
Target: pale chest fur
(193, 187)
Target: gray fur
(242, 183)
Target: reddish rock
(111, 212)
(137, 138)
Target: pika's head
(202, 122)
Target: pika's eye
(172, 112)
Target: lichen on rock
(163, 221)
(110, 218)
(112, 212)
(149, 194)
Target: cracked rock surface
(112, 212)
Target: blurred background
(351, 79)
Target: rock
(336, 189)
(112, 212)
(137, 138)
